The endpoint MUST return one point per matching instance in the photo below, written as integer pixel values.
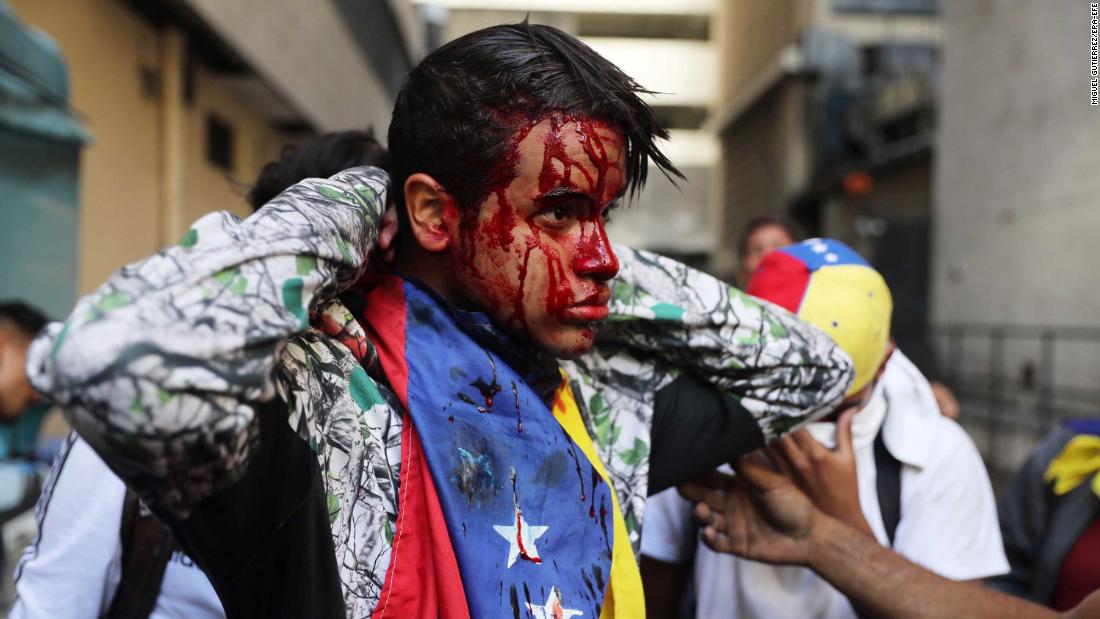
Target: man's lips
(585, 313)
(591, 309)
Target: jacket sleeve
(158, 368)
(782, 370)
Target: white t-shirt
(948, 514)
(72, 569)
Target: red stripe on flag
(422, 580)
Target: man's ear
(427, 203)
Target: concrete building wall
(675, 218)
(307, 52)
(1017, 193)
(1017, 212)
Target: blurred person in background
(761, 236)
(21, 408)
(235, 388)
(918, 482)
(1050, 519)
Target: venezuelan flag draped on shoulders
(504, 509)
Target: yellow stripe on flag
(624, 599)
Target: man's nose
(596, 259)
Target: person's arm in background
(71, 570)
(765, 517)
(749, 370)
(158, 369)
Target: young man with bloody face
(464, 437)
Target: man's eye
(558, 215)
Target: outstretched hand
(760, 514)
(827, 476)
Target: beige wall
(255, 144)
(122, 193)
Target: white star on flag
(526, 536)
(819, 248)
(831, 257)
(553, 608)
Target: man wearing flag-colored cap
(830, 286)
(919, 484)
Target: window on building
(219, 143)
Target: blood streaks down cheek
(558, 169)
(496, 235)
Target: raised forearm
(884, 584)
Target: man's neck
(432, 271)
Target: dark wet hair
(764, 221)
(26, 319)
(459, 108)
(318, 158)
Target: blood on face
(535, 254)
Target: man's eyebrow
(564, 191)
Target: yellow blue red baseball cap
(827, 284)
